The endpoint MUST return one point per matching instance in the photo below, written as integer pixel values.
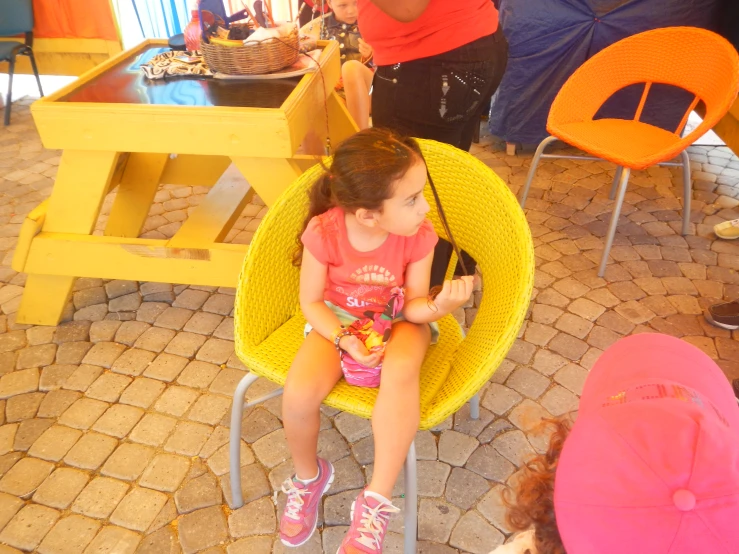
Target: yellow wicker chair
(486, 221)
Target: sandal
(728, 230)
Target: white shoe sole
(325, 490)
(712, 321)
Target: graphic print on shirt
(375, 284)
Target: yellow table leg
(74, 206)
(340, 122)
(135, 194)
(269, 176)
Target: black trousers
(441, 98)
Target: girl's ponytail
(320, 200)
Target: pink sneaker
(370, 517)
(301, 511)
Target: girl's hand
(356, 349)
(454, 293)
(365, 50)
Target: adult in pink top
(439, 62)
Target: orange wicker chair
(693, 59)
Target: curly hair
(531, 501)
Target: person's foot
(370, 516)
(301, 511)
(724, 315)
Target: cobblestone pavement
(114, 424)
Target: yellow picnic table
(120, 131)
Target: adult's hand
(404, 11)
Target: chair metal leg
(35, 72)
(237, 412)
(614, 220)
(411, 501)
(534, 164)
(11, 69)
(475, 406)
(616, 180)
(687, 192)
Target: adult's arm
(404, 11)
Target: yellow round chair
(487, 222)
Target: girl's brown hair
(364, 168)
(531, 501)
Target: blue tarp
(549, 39)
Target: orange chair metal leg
(534, 164)
(614, 220)
(616, 180)
(687, 191)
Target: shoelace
(373, 524)
(294, 498)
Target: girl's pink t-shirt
(357, 281)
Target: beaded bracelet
(337, 335)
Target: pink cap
(652, 462)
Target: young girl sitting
(366, 245)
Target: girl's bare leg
(397, 411)
(314, 372)
(357, 79)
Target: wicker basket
(257, 58)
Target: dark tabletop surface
(125, 84)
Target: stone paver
(104, 354)
(29, 431)
(118, 420)
(91, 451)
(256, 518)
(436, 520)
(83, 413)
(114, 540)
(455, 448)
(188, 438)
(100, 497)
(203, 528)
(61, 488)
(165, 473)
(9, 506)
(136, 383)
(166, 367)
(464, 487)
(70, 535)
(19, 382)
(54, 443)
(201, 492)
(108, 387)
(82, 377)
(29, 526)
(142, 392)
(138, 509)
(176, 400)
(23, 406)
(133, 362)
(209, 408)
(128, 461)
(474, 534)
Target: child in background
(356, 54)
(366, 235)
(650, 466)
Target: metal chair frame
(620, 184)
